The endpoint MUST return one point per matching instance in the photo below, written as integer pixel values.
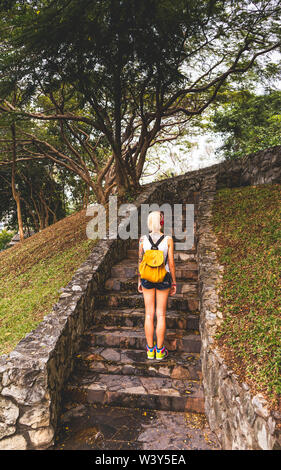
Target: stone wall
(32, 376)
(258, 168)
(239, 419)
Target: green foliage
(5, 238)
(98, 43)
(247, 122)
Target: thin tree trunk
(16, 194)
(41, 219)
(31, 212)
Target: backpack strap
(154, 246)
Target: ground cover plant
(33, 272)
(247, 223)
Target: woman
(158, 291)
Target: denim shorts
(165, 284)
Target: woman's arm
(140, 256)
(172, 265)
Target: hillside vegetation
(247, 222)
(32, 273)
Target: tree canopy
(137, 68)
(247, 122)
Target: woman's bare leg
(161, 307)
(149, 303)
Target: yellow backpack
(152, 267)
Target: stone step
(183, 208)
(178, 365)
(187, 271)
(188, 262)
(132, 317)
(100, 427)
(132, 253)
(183, 211)
(118, 299)
(134, 338)
(192, 251)
(157, 393)
(131, 284)
(184, 270)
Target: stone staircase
(111, 368)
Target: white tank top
(163, 246)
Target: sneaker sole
(161, 358)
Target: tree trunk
(41, 219)
(85, 198)
(16, 194)
(122, 178)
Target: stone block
(263, 437)
(9, 413)
(17, 442)
(36, 417)
(41, 438)
(260, 406)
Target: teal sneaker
(161, 353)
(150, 352)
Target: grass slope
(247, 222)
(32, 273)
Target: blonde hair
(153, 221)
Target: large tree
(139, 67)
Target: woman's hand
(139, 286)
(173, 289)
